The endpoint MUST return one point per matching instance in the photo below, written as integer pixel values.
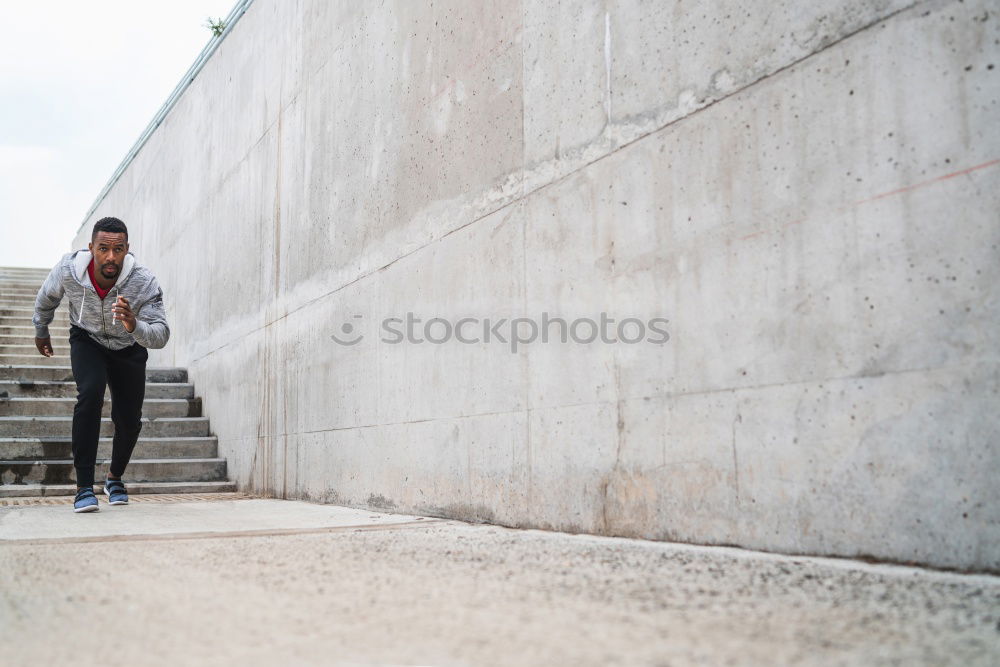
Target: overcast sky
(79, 82)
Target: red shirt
(100, 292)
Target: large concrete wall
(807, 190)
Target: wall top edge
(206, 53)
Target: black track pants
(94, 368)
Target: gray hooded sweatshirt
(88, 311)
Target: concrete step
(21, 300)
(18, 287)
(18, 308)
(23, 319)
(58, 334)
(12, 296)
(11, 310)
(5, 270)
(140, 470)
(59, 338)
(8, 290)
(134, 488)
(25, 334)
(56, 407)
(18, 298)
(37, 449)
(28, 275)
(7, 294)
(58, 322)
(159, 427)
(38, 373)
(21, 282)
(27, 337)
(53, 389)
(36, 359)
(26, 304)
(25, 373)
(21, 348)
(26, 310)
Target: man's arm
(49, 297)
(151, 329)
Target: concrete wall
(809, 191)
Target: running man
(116, 313)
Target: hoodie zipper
(100, 303)
(104, 324)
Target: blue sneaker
(85, 500)
(115, 490)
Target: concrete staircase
(175, 453)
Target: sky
(79, 82)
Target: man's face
(109, 253)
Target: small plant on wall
(215, 25)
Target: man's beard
(110, 267)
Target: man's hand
(44, 346)
(123, 312)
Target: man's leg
(127, 379)
(90, 373)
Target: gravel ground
(449, 593)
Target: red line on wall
(927, 182)
(883, 195)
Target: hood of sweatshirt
(81, 260)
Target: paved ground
(261, 582)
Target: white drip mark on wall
(607, 63)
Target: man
(116, 310)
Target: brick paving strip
(133, 498)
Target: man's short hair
(110, 225)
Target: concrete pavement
(257, 581)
